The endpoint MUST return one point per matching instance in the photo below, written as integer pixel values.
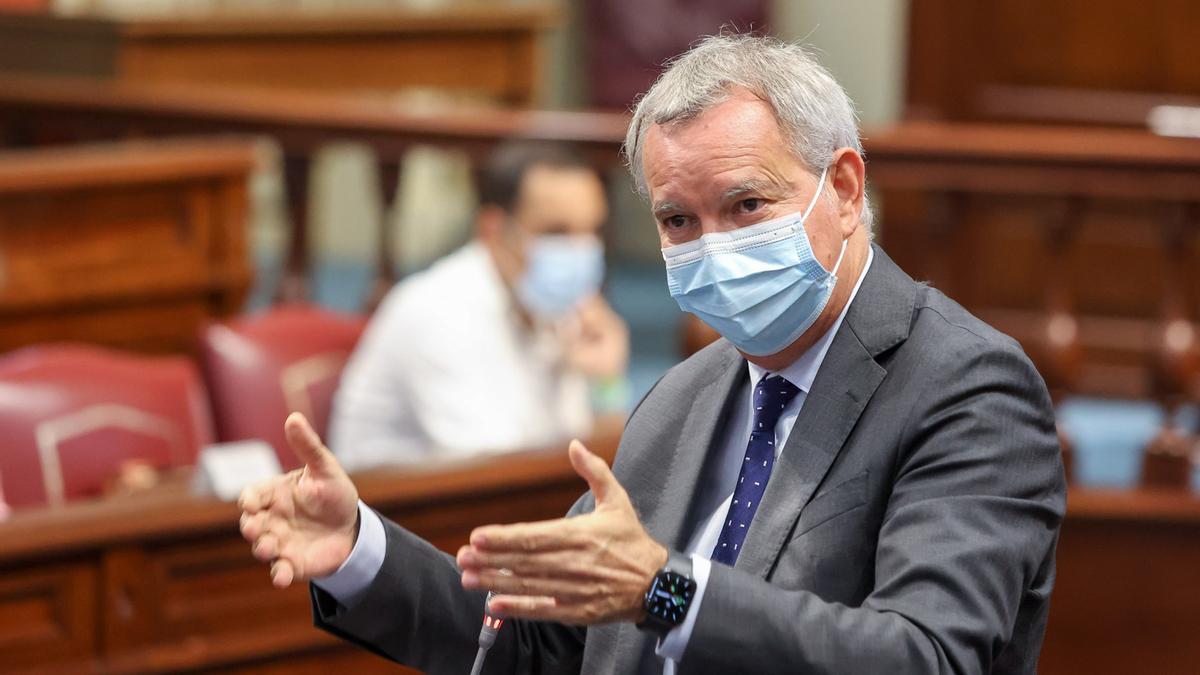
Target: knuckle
(592, 612)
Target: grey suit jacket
(909, 525)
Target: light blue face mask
(560, 272)
(759, 286)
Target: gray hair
(814, 112)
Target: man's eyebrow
(759, 185)
(663, 208)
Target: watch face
(670, 596)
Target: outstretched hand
(304, 523)
(589, 569)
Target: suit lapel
(664, 490)
(878, 319)
(701, 431)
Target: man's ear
(848, 176)
(489, 222)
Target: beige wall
(863, 42)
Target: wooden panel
(47, 614)
(131, 246)
(492, 51)
(95, 244)
(1126, 598)
(486, 64)
(1081, 61)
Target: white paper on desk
(223, 469)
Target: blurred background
(202, 201)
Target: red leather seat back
(71, 415)
(262, 368)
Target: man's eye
(675, 222)
(750, 205)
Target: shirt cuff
(348, 584)
(675, 643)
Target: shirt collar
(803, 371)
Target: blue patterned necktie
(771, 396)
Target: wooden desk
(1126, 599)
(491, 50)
(163, 582)
(130, 245)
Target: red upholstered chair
(261, 368)
(70, 416)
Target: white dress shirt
(713, 496)
(447, 368)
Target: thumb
(599, 477)
(308, 447)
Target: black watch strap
(677, 574)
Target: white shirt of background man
(447, 369)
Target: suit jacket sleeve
(416, 612)
(978, 495)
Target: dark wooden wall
(1075, 61)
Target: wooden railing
(39, 111)
(1080, 243)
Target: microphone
(487, 634)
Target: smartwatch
(670, 596)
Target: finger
(547, 535)
(266, 548)
(247, 500)
(255, 498)
(253, 526)
(525, 607)
(559, 564)
(308, 447)
(282, 573)
(512, 584)
(599, 477)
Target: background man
(860, 477)
(493, 347)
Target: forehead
(737, 136)
(561, 190)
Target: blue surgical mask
(560, 272)
(759, 286)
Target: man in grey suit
(861, 477)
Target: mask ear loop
(811, 205)
(839, 260)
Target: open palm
(304, 523)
